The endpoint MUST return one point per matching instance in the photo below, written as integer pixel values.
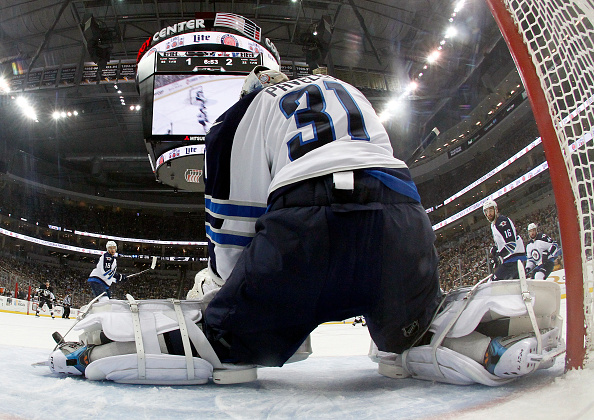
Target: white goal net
(558, 37)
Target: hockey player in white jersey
(310, 218)
(509, 246)
(541, 251)
(104, 274)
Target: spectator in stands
(509, 246)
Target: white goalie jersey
(283, 134)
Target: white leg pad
(162, 369)
(115, 319)
(495, 306)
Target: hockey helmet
(261, 77)
(532, 226)
(110, 244)
(488, 204)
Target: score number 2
(314, 114)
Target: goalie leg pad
(529, 313)
(137, 353)
(160, 369)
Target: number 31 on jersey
(314, 114)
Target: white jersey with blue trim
(540, 249)
(283, 134)
(106, 269)
(510, 245)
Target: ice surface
(337, 382)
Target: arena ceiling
(103, 148)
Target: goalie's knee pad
(520, 319)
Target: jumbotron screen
(190, 104)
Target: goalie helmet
(110, 244)
(261, 77)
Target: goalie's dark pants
(321, 255)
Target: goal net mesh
(559, 36)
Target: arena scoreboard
(205, 61)
(189, 74)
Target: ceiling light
(433, 57)
(56, 115)
(451, 32)
(459, 6)
(4, 86)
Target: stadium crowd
(21, 203)
(435, 190)
(162, 283)
(463, 261)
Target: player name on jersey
(183, 62)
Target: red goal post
(552, 44)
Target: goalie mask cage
(552, 44)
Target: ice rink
(174, 114)
(337, 382)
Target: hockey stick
(58, 338)
(153, 265)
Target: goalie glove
(206, 283)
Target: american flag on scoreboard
(239, 23)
